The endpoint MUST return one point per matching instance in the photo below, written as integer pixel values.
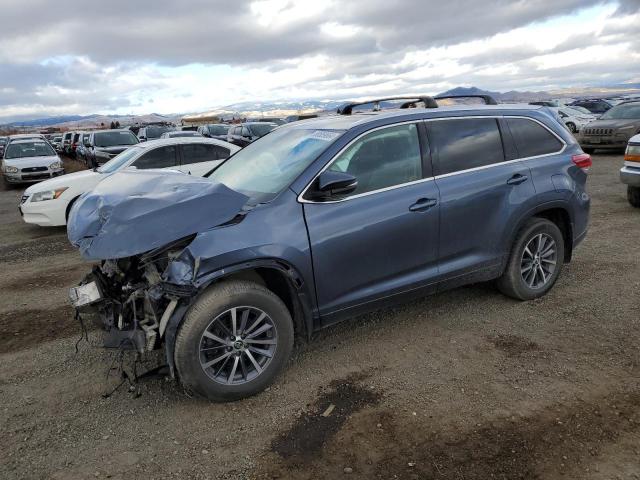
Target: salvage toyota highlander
(322, 220)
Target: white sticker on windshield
(326, 135)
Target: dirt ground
(463, 385)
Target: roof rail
(428, 103)
(488, 99)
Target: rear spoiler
(488, 99)
(429, 102)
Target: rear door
(199, 158)
(381, 239)
(480, 188)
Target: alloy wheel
(539, 261)
(238, 345)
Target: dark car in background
(214, 130)
(245, 133)
(153, 132)
(613, 129)
(323, 220)
(103, 145)
(3, 143)
(597, 106)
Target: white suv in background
(630, 173)
(48, 203)
(575, 119)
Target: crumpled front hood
(130, 213)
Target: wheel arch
(557, 212)
(278, 276)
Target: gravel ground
(463, 385)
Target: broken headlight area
(129, 300)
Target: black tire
(512, 283)
(572, 127)
(588, 150)
(214, 302)
(633, 195)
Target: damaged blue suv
(322, 220)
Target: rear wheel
(535, 261)
(633, 195)
(234, 341)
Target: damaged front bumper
(128, 299)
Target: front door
(382, 238)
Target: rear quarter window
(532, 139)
(465, 143)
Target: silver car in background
(30, 160)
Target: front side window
(199, 152)
(383, 158)
(267, 166)
(465, 143)
(532, 139)
(163, 157)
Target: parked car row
(116, 150)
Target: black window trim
(422, 138)
(506, 162)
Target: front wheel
(633, 195)
(535, 261)
(234, 341)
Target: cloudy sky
(123, 56)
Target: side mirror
(330, 184)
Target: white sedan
(48, 203)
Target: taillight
(582, 161)
(632, 153)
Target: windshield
(630, 111)
(116, 138)
(28, 149)
(261, 129)
(154, 131)
(119, 160)
(265, 167)
(218, 129)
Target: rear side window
(531, 138)
(383, 158)
(465, 143)
(200, 152)
(162, 157)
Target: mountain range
(285, 108)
